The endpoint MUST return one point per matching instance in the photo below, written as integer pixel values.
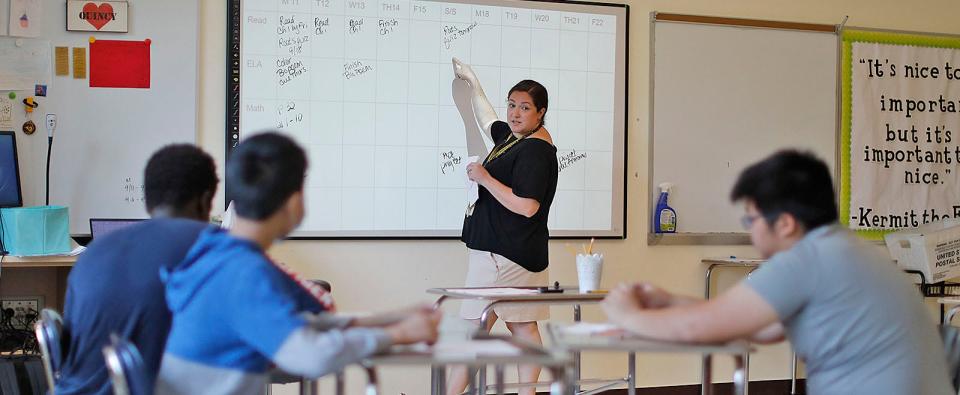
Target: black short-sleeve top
(530, 168)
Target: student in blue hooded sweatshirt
(235, 312)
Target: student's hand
(621, 301)
(651, 296)
(421, 326)
(464, 72)
(476, 172)
(390, 318)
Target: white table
(459, 353)
(633, 344)
(570, 296)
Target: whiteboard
(365, 87)
(724, 97)
(106, 135)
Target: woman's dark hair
(791, 182)
(537, 92)
(263, 172)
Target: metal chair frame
(49, 331)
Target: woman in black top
(506, 229)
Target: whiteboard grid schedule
(365, 87)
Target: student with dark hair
(236, 313)
(851, 315)
(115, 285)
(506, 230)
(174, 179)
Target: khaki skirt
(486, 269)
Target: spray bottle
(665, 217)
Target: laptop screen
(100, 227)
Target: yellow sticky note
(79, 63)
(62, 60)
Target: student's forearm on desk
(378, 320)
(677, 324)
(738, 313)
(682, 300)
(773, 333)
(327, 321)
(519, 205)
(314, 353)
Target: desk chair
(50, 338)
(125, 365)
(36, 375)
(8, 377)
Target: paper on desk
(590, 328)
(497, 291)
(473, 189)
(493, 347)
(76, 251)
(742, 261)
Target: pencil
(590, 250)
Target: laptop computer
(100, 227)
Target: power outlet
(26, 310)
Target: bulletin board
(105, 135)
(900, 151)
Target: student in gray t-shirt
(853, 317)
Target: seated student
(852, 316)
(235, 312)
(115, 285)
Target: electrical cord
(49, 148)
(3, 231)
(3, 250)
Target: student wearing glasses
(850, 314)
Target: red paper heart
(98, 16)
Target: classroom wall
(376, 275)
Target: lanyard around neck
(497, 151)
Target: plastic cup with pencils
(589, 269)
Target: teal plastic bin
(40, 230)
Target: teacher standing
(506, 229)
